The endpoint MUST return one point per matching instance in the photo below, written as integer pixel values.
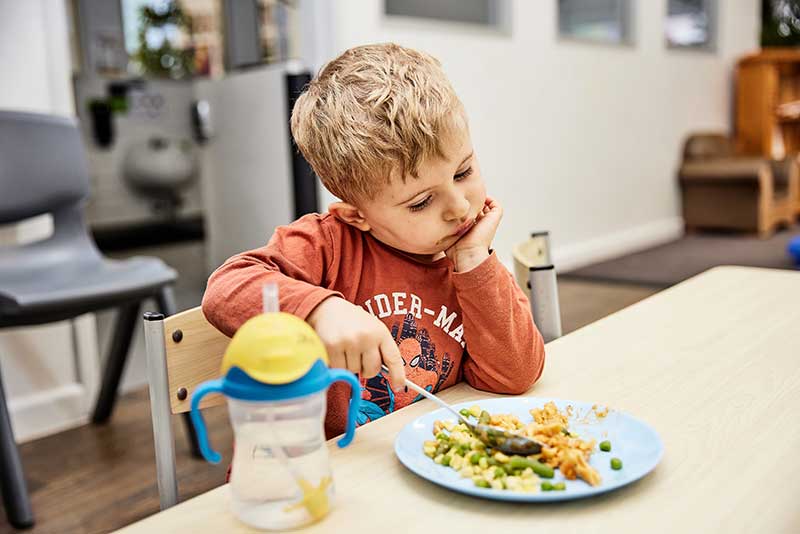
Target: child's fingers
(337, 358)
(394, 363)
(371, 363)
(353, 359)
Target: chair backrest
(534, 252)
(42, 165)
(535, 274)
(194, 350)
(183, 351)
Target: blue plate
(632, 441)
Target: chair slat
(195, 358)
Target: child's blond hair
(374, 111)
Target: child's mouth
(464, 228)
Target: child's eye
(421, 204)
(462, 175)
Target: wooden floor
(97, 479)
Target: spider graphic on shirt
(421, 365)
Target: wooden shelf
(763, 79)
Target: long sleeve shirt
(448, 325)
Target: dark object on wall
(44, 171)
(118, 96)
(303, 178)
(721, 189)
(780, 23)
(102, 126)
(202, 124)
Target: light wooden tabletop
(713, 364)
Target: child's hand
(473, 247)
(356, 340)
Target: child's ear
(349, 214)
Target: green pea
(499, 472)
(441, 436)
(446, 460)
(605, 446)
(485, 418)
(560, 486)
(546, 486)
(481, 483)
(464, 412)
(463, 448)
(616, 464)
(474, 458)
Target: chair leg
(127, 317)
(166, 304)
(12, 478)
(191, 435)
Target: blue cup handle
(212, 386)
(355, 403)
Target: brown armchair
(723, 190)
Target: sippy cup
(275, 377)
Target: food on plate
(456, 447)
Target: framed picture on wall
(691, 24)
(488, 14)
(599, 21)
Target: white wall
(49, 372)
(579, 139)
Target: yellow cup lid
(274, 348)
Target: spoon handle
(427, 394)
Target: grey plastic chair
(43, 170)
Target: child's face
(427, 215)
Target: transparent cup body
(281, 476)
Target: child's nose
(458, 208)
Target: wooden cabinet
(768, 103)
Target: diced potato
(456, 462)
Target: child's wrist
(319, 309)
(468, 259)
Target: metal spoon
(492, 436)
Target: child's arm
(299, 259)
(506, 351)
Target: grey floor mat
(673, 262)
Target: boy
(400, 271)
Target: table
(713, 364)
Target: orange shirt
(474, 325)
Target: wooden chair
(536, 275)
(183, 351)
